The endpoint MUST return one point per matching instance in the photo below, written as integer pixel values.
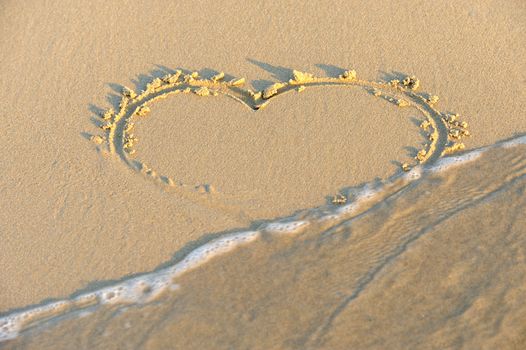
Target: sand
(76, 215)
(431, 259)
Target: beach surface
(441, 256)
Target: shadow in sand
(330, 70)
(279, 73)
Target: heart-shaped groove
(444, 131)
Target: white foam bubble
(10, 326)
(414, 174)
(451, 161)
(368, 191)
(521, 140)
(135, 290)
(85, 298)
(286, 227)
(213, 248)
(347, 208)
(330, 217)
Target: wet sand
(437, 262)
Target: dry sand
(75, 216)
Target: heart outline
(446, 129)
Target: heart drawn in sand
(444, 131)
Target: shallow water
(434, 258)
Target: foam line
(136, 290)
(286, 227)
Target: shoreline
(146, 287)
